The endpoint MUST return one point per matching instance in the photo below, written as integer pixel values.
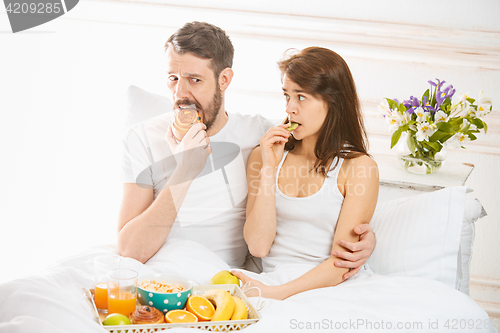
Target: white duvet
(53, 301)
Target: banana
(223, 302)
(240, 310)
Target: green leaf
(392, 104)
(402, 108)
(485, 127)
(447, 101)
(472, 136)
(446, 138)
(478, 122)
(426, 94)
(471, 100)
(410, 141)
(438, 136)
(395, 137)
(445, 127)
(433, 145)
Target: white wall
(62, 100)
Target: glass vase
(420, 160)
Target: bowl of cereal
(164, 291)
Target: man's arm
(358, 252)
(144, 223)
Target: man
(196, 189)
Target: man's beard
(211, 112)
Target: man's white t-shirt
(213, 211)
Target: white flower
(421, 114)
(469, 110)
(406, 118)
(425, 130)
(393, 120)
(465, 123)
(484, 100)
(383, 107)
(440, 116)
(482, 110)
(459, 139)
(463, 97)
(473, 127)
(461, 109)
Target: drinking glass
(122, 291)
(102, 265)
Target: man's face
(192, 81)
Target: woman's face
(309, 111)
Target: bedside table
(396, 182)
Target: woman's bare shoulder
(255, 157)
(362, 164)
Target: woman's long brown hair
(323, 74)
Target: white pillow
(473, 211)
(419, 236)
(142, 105)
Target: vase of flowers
(422, 128)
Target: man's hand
(359, 251)
(191, 153)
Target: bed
(421, 279)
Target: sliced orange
(200, 307)
(180, 316)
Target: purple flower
(426, 106)
(440, 97)
(447, 90)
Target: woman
(312, 188)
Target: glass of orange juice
(102, 265)
(122, 291)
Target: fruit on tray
(225, 277)
(180, 316)
(200, 307)
(240, 309)
(223, 302)
(116, 319)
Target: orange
(200, 307)
(180, 316)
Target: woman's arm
(260, 226)
(361, 193)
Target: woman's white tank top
(305, 226)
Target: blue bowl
(165, 301)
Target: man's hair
(205, 41)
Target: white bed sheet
(53, 301)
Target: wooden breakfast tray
(218, 326)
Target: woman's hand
(265, 290)
(273, 145)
